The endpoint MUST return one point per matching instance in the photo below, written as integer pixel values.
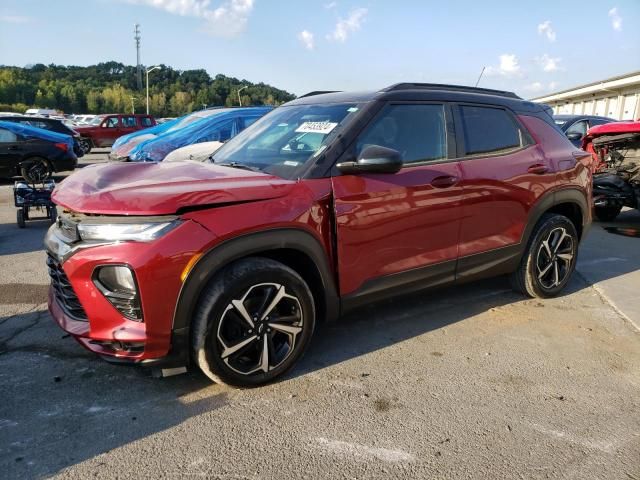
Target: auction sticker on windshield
(316, 127)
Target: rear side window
(128, 122)
(145, 122)
(7, 136)
(488, 130)
(416, 131)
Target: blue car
(215, 125)
(124, 145)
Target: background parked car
(575, 126)
(217, 125)
(51, 124)
(105, 129)
(124, 145)
(33, 152)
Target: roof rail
(454, 88)
(318, 92)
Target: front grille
(63, 291)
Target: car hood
(163, 188)
(614, 128)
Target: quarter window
(418, 132)
(489, 130)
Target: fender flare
(550, 200)
(253, 244)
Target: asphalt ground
(472, 381)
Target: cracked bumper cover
(158, 267)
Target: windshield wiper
(238, 165)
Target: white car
(197, 152)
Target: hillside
(108, 87)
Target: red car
(105, 129)
(329, 202)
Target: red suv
(105, 129)
(328, 202)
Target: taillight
(62, 146)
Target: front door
(110, 130)
(398, 230)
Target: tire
(36, 170)
(252, 284)
(20, 218)
(550, 258)
(85, 145)
(607, 214)
(53, 215)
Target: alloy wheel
(257, 332)
(555, 258)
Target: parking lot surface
(473, 381)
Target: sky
(532, 48)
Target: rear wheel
(20, 218)
(253, 322)
(85, 145)
(36, 170)
(550, 258)
(607, 214)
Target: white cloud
(533, 87)
(548, 64)
(616, 19)
(330, 5)
(306, 37)
(347, 26)
(553, 85)
(546, 29)
(229, 18)
(18, 19)
(509, 66)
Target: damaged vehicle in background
(216, 125)
(616, 181)
(124, 145)
(575, 126)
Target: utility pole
(239, 90)
(156, 67)
(136, 36)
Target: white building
(617, 97)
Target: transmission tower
(137, 37)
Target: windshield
(283, 141)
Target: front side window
(111, 122)
(283, 141)
(580, 127)
(418, 132)
(489, 130)
(221, 133)
(7, 136)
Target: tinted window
(145, 121)
(128, 122)
(488, 130)
(7, 137)
(416, 131)
(578, 127)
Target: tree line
(111, 87)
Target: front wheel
(608, 214)
(550, 258)
(253, 322)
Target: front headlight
(114, 232)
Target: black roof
(424, 92)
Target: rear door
(128, 124)
(11, 151)
(503, 175)
(398, 230)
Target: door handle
(444, 181)
(538, 169)
(14, 148)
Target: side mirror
(574, 136)
(373, 159)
